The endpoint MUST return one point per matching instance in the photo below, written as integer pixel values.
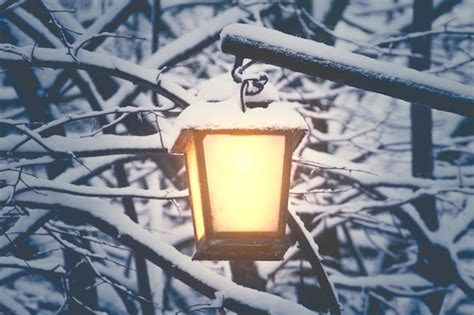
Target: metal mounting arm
(310, 57)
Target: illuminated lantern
(238, 168)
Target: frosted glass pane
(244, 174)
(193, 181)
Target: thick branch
(60, 58)
(187, 45)
(81, 147)
(119, 226)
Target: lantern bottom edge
(239, 249)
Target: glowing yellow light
(195, 191)
(238, 167)
(244, 177)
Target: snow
(42, 264)
(104, 144)
(364, 159)
(55, 58)
(389, 280)
(82, 190)
(182, 45)
(39, 27)
(93, 163)
(227, 115)
(182, 267)
(22, 225)
(7, 93)
(99, 25)
(9, 302)
(373, 175)
(325, 52)
(190, 40)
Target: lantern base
(241, 249)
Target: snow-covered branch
(186, 45)
(31, 183)
(119, 226)
(38, 265)
(59, 146)
(86, 60)
(409, 280)
(28, 224)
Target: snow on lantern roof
(227, 115)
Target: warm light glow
(193, 179)
(244, 175)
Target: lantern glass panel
(195, 191)
(244, 178)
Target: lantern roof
(227, 115)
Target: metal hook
(257, 82)
(237, 64)
(238, 69)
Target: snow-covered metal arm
(310, 57)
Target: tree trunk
(144, 288)
(421, 129)
(421, 121)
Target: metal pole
(334, 64)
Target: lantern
(238, 169)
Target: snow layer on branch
(33, 183)
(227, 115)
(7, 93)
(102, 213)
(92, 146)
(189, 41)
(86, 60)
(184, 45)
(389, 280)
(22, 225)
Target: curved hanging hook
(234, 72)
(250, 85)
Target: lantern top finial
(227, 115)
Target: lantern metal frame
(243, 245)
